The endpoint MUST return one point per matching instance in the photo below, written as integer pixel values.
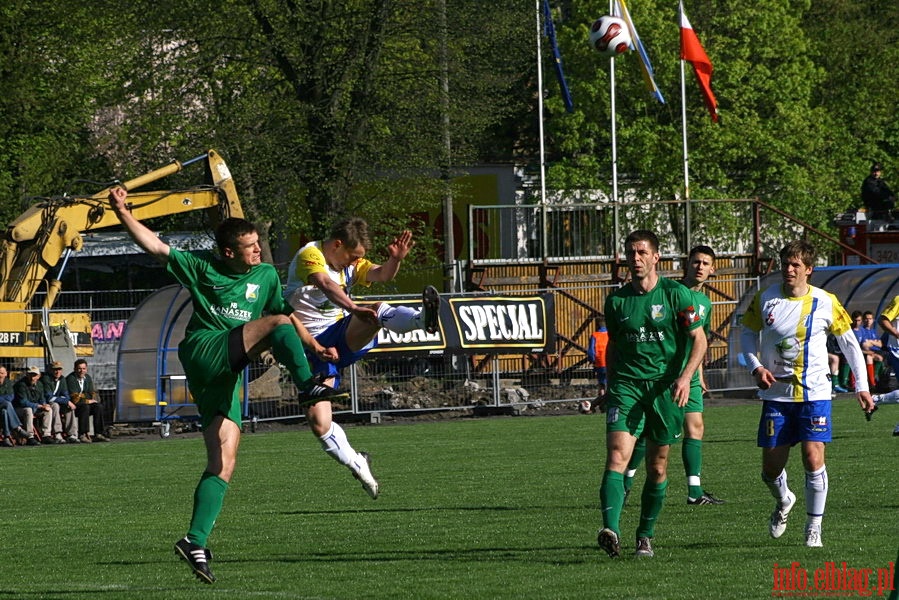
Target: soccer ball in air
(609, 35)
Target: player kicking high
(319, 283)
(238, 312)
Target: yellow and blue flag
(620, 11)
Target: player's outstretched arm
(397, 250)
(140, 233)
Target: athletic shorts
(600, 373)
(215, 388)
(786, 423)
(635, 406)
(335, 336)
(694, 404)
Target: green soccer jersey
(223, 299)
(648, 331)
(704, 311)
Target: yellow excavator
(51, 230)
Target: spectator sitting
(834, 357)
(88, 408)
(56, 391)
(29, 404)
(10, 420)
(869, 340)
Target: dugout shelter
(152, 387)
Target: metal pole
(449, 242)
(688, 239)
(616, 236)
(543, 244)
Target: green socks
(611, 499)
(691, 452)
(651, 505)
(208, 499)
(288, 349)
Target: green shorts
(215, 388)
(633, 406)
(694, 404)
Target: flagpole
(687, 202)
(615, 214)
(543, 236)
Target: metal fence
(420, 383)
(566, 232)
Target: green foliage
(316, 104)
(787, 106)
(470, 508)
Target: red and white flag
(692, 51)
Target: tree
(774, 138)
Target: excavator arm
(49, 230)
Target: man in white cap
(30, 406)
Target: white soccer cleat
(813, 536)
(362, 472)
(778, 523)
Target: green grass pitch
(470, 508)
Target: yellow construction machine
(51, 230)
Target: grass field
(470, 508)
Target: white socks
(816, 493)
(778, 486)
(399, 319)
(338, 446)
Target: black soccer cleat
(870, 413)
(608, 541)
(197, 557)
(430, 311)
(706, 498)
(319, 391)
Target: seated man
(319, 281)
(12, 426)
(88, 408)
(30, 406)
(869, 340)
(56, 391)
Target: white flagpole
(540, 103)
(683, 112)
(614, 145)
(543, 234)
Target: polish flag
(691, 50)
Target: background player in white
(319, 283)
(793, 376)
